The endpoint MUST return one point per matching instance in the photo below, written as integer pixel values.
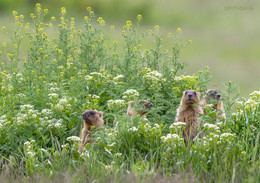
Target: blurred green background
(225, 34)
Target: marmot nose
(190, 95)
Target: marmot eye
(92, 113)
(195, 93)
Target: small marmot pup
(91, 118)
(189, 112)
(140, 108)
(214, 97)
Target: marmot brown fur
(141, 110)
(213, 97)
(189, 112)
(91, 118)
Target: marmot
(213, 97)
(189, 112)
(91, 118)
(141, 110)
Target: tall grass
(44, 93)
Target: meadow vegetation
(44, 93)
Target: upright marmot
(140, 108)
(91, 118)
(213, 97)
(189, 112)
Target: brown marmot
(214, 97)
(140, 108)
(91, 118)
(189, 112)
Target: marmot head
(190, 97)
(93, 118)
(141, 107)
(213, 96)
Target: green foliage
(43, 95)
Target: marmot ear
(100, 113)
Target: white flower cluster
(3, 121)
(116, 104)
(177, 125)
(28, 146)
(55, 124)
(53, 96)
(26, 107)
(88, 78)
(73, 139)
(118, 77)
(153, 76)
(186, 78)
(8, 88)
(133, 129)
(96, 73)
(169, 138)
(251, 105)
(228, 137)
(209, 107)
(63, 104)
(130, 94)
(211, 127)
(255, 95)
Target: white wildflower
(53, 95)
(88, 78)
(211, 127)
(177, 125)
(73, 139)
(118, 77)
(96, 73)
(133, 129)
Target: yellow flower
(14, 12)
(3, 28)
(89, 8)
(63, 10)
(4, 44)
(178, 29)
(53, 18)
(139, 17)
(16, 45)
(156, 27)
(190, 41)
(61, 73)
(91, 13)
(38, 5)
(169, 34)
(45, 10)
(112, 27)
(38, 90)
